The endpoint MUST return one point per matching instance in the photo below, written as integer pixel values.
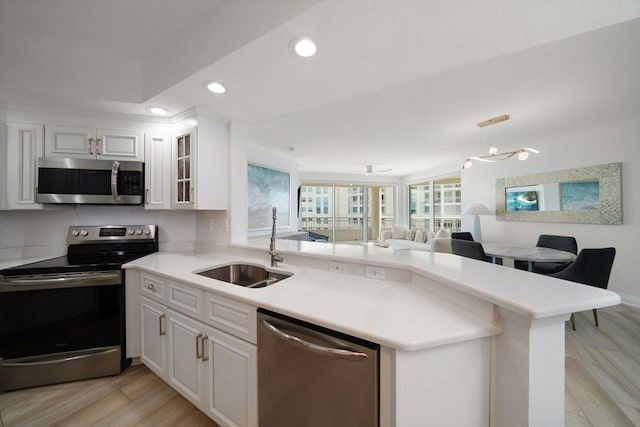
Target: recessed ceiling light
(303, 46)
(158, 111)
(214, 87)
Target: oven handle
(55, 360)
(355, 356)
(72, 280)
(114, 180)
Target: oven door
(63, 327)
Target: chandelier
(494, 154)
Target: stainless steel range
(62, 319)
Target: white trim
(631, 300)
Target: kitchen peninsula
(462, 342)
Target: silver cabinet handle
(114, 180)
(151, 287)
(146, 196)
(162, 332)
(91, 146)
(355, 356)
(204, 352)
(98, 146)
(198, 353)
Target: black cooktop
(72, 264)
(95, 248)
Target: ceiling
(396, 84)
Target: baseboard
(630, 300)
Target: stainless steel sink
(247, 275)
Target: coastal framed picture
(268, 188)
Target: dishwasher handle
(354, 356)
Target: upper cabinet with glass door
(91, 143)
(200, 166)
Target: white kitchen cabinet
(153, 318)
(232, 376)
(187, 369)
(24, 144)
(183, 345)
(91, 143)
(199, 168)
(157, 172)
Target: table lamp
(477, 209)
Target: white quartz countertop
(533, 295)
(403, 316)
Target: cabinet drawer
(232, 316)
(153, 287)
(187, 300)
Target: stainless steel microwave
(88, 181)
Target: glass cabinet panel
(183, 169)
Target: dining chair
(469, 249)
(591, 267)
(462, 235)
(563, 243)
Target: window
(435, 204)
(350, 213)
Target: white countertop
(402, 315)
(533, 295)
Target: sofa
(418, 240)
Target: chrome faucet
(275, 258)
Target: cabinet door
(24, 146)
(183, 177)
(65, 141)
(157, 170)
(232, 379)
(186, 368)
(119, 145)
(154, 336)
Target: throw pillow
(443, 234)
(398, 232)
(410, 235)
(419, 236)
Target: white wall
(617, 142)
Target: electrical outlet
(374, 272)
(338, 267)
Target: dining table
(531, 254)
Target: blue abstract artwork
(267, 188)
(580, 196)
(522, 200)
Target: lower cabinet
(212, 369)
(153, 320)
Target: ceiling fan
(371, 169)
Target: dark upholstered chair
(563, 243)
(592, 267)
(462, 235)
(469, 249)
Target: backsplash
(44, 233)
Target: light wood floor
(134, 398)
(602, 386)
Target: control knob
(75, 233)
(130, 231)
(84, 233)
(138, 231)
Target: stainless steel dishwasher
(311, 376)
